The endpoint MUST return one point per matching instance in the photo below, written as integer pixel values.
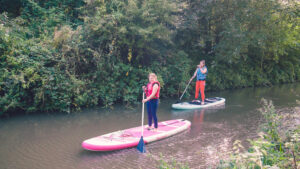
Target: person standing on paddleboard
(200, 72)
(152, 92)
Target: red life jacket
(149, 89)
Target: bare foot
(149, 128)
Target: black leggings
(151, 109)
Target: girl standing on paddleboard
(200, 72)
(152, 92)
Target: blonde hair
(153, 75)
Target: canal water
(53, 141)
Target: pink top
(149, 89)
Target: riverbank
(68, 55)
(39, 139)
(277, 145)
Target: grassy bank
(277, 145)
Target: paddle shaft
(185, 90)
(143, 115)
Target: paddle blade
(141, 146)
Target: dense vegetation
(64, 55)
(278, 145)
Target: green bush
(65, 55)
(274, 149)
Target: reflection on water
(198, 119)
(209, 140)
(54, 140)
(198, 115)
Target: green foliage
(273, 121)
(246, 43)
(42, 17)
(64, 55)
(113, 53)
(171, 165)
(12, 7)
(25, 71)
(272, 149)
(51, 65)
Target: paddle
(184, 92)
(141, 145)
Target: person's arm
(194, 75)
(204, 70)
(154, 91)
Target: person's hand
(145, 100)
(144, 87)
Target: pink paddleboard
(131, 137)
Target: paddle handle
(185, 90)
(143, 107)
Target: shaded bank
(39, 139)
(277, 145)
(62, 56)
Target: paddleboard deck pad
(208, 102)
(130, 137)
